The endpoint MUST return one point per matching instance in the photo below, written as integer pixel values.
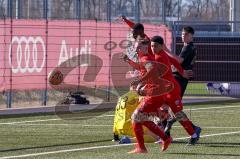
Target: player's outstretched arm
(131, 63)
(128, 22)
(179, 59)
(134, 65)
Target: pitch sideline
(99, 147)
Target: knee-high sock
(155, 129)
(138, 131)
(188, 126)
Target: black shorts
(182, 82)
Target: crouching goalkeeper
(122, 127)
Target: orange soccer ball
(55, 77)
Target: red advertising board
(86, 51)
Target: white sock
(194, 135)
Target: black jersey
(188, 53)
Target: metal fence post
(178, 8)
(78, 9)
(78, 17)
(109, 10)
(233, 14)
(137, 10)
(45, 8)
(109, 19)
(9, 8)
(174, 37)
(9, 92)
(163, 12)
(45, 15)
(9, 99)
(18, 9)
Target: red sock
(155, 129)
(138, 131)
(187, 124)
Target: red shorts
(151, 104)
(174, 100)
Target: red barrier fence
(30, 49)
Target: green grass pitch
(48, 136)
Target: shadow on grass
(53, 146)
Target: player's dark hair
(157, 39)
(143, 41)
(138, 26)
(188, 29)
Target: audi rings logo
(26, 52)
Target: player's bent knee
(136, 116)
(139, 116)
(180, 116)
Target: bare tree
(223, 11)
(150, 10)
(205, 10)
(171, 8)
(32, 9)
(62, 9)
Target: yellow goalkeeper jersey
(126, 105)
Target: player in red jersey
(150, 104)
(138, 29)
(138, 32)
(173, 98)
(142, 46)
(147, 108)
(153, 85)
(145, 62)
(186, 58)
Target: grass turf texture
(70, 138)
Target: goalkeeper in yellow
(126, 105)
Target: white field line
(209, 108)
(28, 121)
(33, 121)
(99, 147)
(63, 151)
(212, 127)
(210, 135)
(84, 125)
(45, 120)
